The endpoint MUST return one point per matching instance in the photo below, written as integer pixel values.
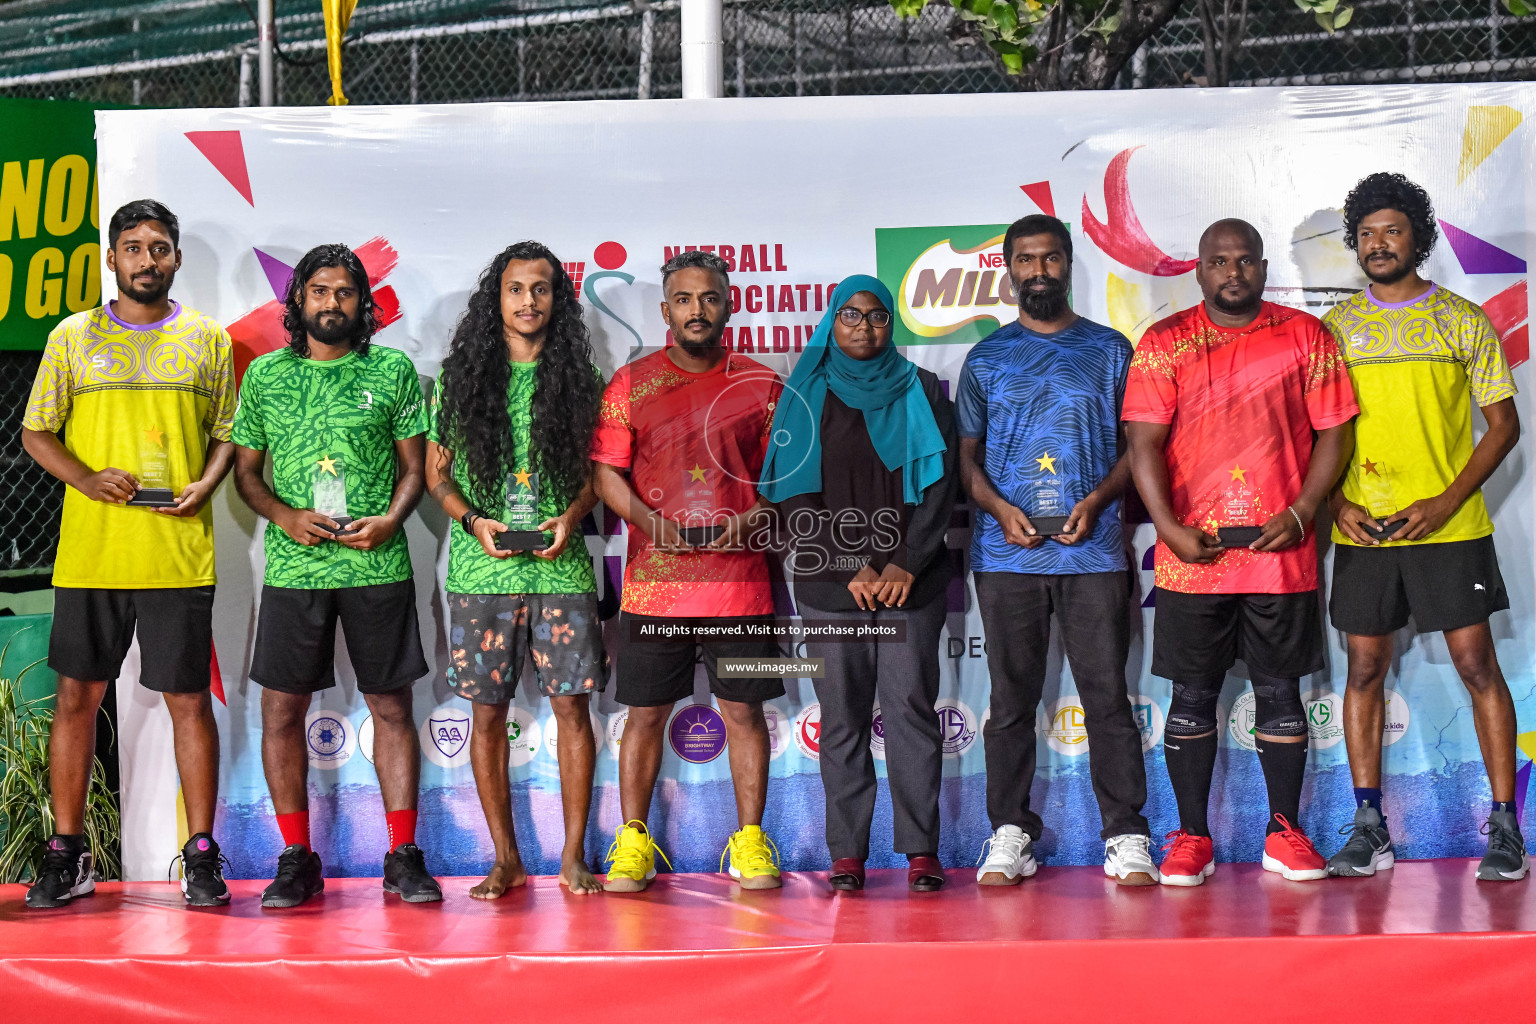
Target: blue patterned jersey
(1047, 407)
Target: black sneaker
(66, 873)
(298, 878)
(1368, 848)
(1505, 860)
(202, 872)
(405, 872)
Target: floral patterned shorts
(491, 637)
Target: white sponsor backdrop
(802, 187)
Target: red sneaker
(1190, 859)
(1290, 854)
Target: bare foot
(998, 878)
(575, 876)
(505, 874)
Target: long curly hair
(331, 254)
(472, 417)
(1389, 191)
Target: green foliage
(26, 814)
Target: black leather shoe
(405, 872)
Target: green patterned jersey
(331, 426)
(470, 569)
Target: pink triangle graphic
(279, 274)
(227, 154)
(1479, 257)
(1040, 192)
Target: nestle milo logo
(951, 283)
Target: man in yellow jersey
(143, 389)
(1412, 533)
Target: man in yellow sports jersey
(143, 389)
(1412, 532)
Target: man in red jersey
(680, 443)
(1221, 408)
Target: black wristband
(467, 520)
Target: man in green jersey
(343, 419)
(1412, 535)
(507, 457)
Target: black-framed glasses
(852, 317)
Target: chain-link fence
(195, 53)
(202, 52)
(30, 499)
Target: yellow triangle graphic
(1486, 128)
(1526, 741)
(1129, 312)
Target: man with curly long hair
(1412, 532)
(515, 403)
(343, 419)
(680, 444)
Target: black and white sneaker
(1368, 848)
(65, 874)
(298, 878)
(405, 873)
(1505, 860)
(202, 872)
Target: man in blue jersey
(1040, 455)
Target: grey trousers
(905, 678)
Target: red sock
(295, 828)
(402, 828)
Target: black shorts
(93, 629)
(296, 637)
(1196, 636)
(656, 672)
(1440, 586)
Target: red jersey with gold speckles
(1242, 404)
(694, 445)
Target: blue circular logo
(327, 737)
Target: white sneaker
(1009, 857)
(1128, 860)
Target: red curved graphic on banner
(1123, 238)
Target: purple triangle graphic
(1479, 257)
(1522, 783)
(278, 273)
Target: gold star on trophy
(155, 436)
(1370, 467)
(327, 465)
(697, 473)
(521, 476)
(1047, 462)
(1238, 473)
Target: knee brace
(1193, 710)
(1277, 707)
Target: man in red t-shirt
(1221, 408)
(679, 446)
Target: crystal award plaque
(522, 514)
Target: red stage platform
(1425, 942)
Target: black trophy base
(342, 522)
(522, 540)
(153, 497)
(1388, 531)
(699, 536)
(1049, 526)
(1238, 536)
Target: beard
(1391, 273)
(1046, 303)
(331, 329)
(146, 294)
(1235, 306)
(695, 348)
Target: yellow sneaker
(753, 859)
(632, 859)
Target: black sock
(1285, 765)
(1190, 764)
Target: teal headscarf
(884, 388)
